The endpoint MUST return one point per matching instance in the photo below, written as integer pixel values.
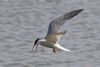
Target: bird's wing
(54, 26)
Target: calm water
(22, 21)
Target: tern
(53, 36)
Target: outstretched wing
(54, 26)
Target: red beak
(34, 46)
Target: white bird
(53, 36)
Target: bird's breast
(53, 38)
(47, 44)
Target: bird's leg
(54, 50)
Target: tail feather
(62, 48)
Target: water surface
(22, 21)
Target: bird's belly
(49, 45)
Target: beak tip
(33, 46)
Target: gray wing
(54, 26)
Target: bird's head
(37, 42)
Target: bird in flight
(53, 36)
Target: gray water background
(23, 21)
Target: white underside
(46, 44)
(61, 48)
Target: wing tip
(79, 10)
(72, 14)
